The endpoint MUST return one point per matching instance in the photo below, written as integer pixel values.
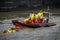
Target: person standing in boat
(46, 18)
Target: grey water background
(43, 33)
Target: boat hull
(33, 25)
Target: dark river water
(43, 33)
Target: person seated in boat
(31, 19)
(27, 20)
(40, 17)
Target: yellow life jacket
(25, 20)
(11, 31)
(40, 14)
(33, 16)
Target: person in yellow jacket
(40, 16)
(26, 20)
(12, 30)
(31, 19)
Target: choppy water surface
(48, 33)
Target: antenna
(48, 8)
